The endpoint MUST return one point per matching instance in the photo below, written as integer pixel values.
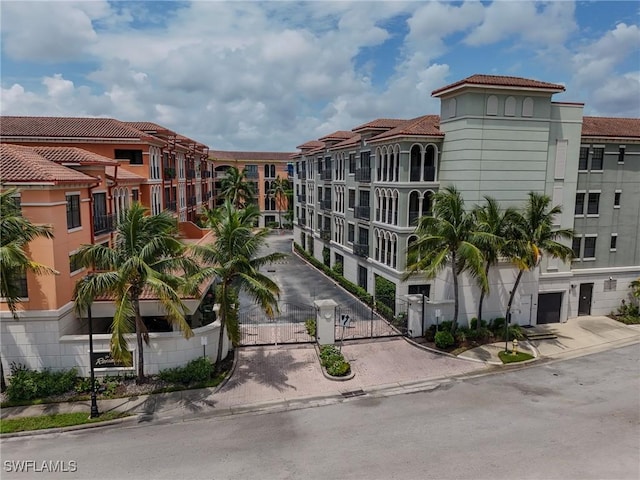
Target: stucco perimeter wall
(37, 345)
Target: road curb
(72, 428)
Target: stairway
(533, 336)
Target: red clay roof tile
(67, 127)
(500, 81)
(73, 155)
(249, 156)
(20, 164)
(427, 125)
(379, 124)
(610, 127)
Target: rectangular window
(21, 284)
(583, 161)
(575, 246)
(352, 198)
(351, 235)
(579, 204)
(597, 159)
(74, 266)
(352, 163)
(616, 199)
(134, 156)
(251, 171)
(364, 198)
(621, 154)
(365, 160)
(593, 204)
(135, 193)
(73, 211)
(614, 241)
(590, 247)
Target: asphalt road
(299, 283)
(576, 419)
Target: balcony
(413, 217)
(206, 174)
(169, 173)
(326, 205)
(302, 222)
(361, 249)
(363, 175)
(383, 216)
(191, 201)
(103, 224)
(191, 173)
(326, 174)
(251, 174)
(302, 199)
(220, 175)
(325, 235)
(363, 212)
(171, 206)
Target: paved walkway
(277, 378)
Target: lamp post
(94, 404)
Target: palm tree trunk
(456, 300)
(222, 315)
(3, 383)
(139, 328)
(482, 294)
(513, 294)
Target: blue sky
(271, 75)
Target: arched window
(527, 107)
(427, 203)
(266, 171)
(416, 164)
(429, 173)
(492, 105)
(414, 208)
(510, 107)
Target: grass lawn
(23, 424)
(508, 357)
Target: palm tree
(236, 187)
(146, 256)
(16, 232)
(280, 191)
(535, 236)
(446, 239)
(236, 266)
(495, 230)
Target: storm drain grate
(354, 393)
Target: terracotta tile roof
(338, 135)
(610, 127)
(380, 124)
(150, 127)
(249, 156)
(67, 127)
(73, 155)
(19, 164)
(500, 81)
(311, 144)
(124, 175)
(427, 125)
(350, 142)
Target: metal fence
(287, 326)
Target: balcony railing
(171, 206)
(383, 216)
(220, 175)
(103, 224)
(252, 174)
(413, 217)
(191, 174)
(191, 201)
(325, 235)
(361, 249)
(428, 174)
(326, 174)
(325, 204)
(169, 173)
(362, 212)
(363, 175)
(206, 174)
(302, 198)
(302, 222)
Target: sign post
(345, 321)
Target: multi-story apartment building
(262, 169)
(178, 174)
(359, 194)
(78, 175)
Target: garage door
(549, 305)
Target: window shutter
(561, 159)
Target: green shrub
(29, 384)
(462, 334)
(446, 325)
(430, 333)
(474, 323)
(310, 325)
(444, 339)
(338, 269)
(497, 325)
(333, 361)
(198, 370)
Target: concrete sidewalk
(284, 377)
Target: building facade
(359, 194)
(261, 169)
